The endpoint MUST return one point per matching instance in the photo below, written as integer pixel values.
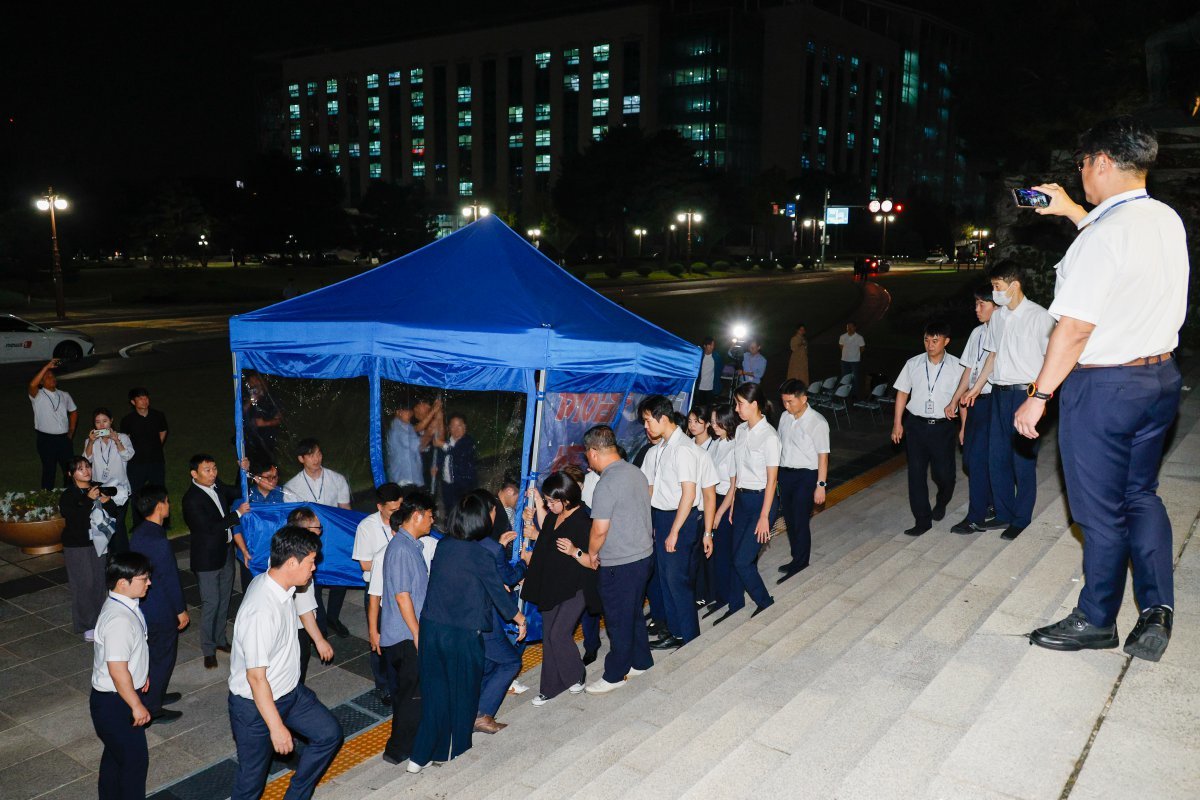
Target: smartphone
(103, 433)
(1030, 198)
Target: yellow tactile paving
(370, 742)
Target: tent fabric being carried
(481, 309)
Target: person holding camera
(85, 566)
(54, 418)
(109, 453)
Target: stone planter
(34, 538)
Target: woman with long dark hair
(109, 453)
(464, 586)
(749, 505)
(723, 422)
(85, 568)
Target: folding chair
(875, 402)
(839, 404)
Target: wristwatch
(822, 484)
(578, 553)
(708, 534)
(1032, 391)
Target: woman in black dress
(561, 585)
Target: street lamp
(535, 235)
(689, 217)
(639, 233)
(885, 219)
(475, 211)
(980, 235)
(52, 202)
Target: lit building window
(374, 147)
(571, 57)
(850, 140)
(418, 146)
(311, 88)
(541, 163)
(701, 47)
(571, 83)
(874, 190)
(464, 119)
(373, 80)
(541, 112)
(337, 169)
(294, 133)
(418, 122)
(373, 125)
(699, 104)
(822, 134)
(542, 60)
(854, 62)
(600, 80)
(297, 152)
(632, 104)
(375, 170)
(879, 97)
(697, 132)
(416, 75)
(464, 94)
(394, 78)
(417, 99)
(516, 140)
(294, 111)
(293, 90)
(825, 79)
(820, 160)
(516, 114)
(854, 90)
(600, 52)
(464, 140)
(599, 106)
(598, 132)
(877, 121)
(335, 150)
(418, 169)
(373, 103)
(811, 47)
(688, 77)
(331, 86)
(911, 81)
(466, 188)
(354, 150)
(805, 162)
(541, 137)
(331, 107)
(875, 145)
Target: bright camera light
(43, 205)
(740, 331)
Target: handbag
(102, 526)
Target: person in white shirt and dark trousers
(803, 469)
(54, 418)
(852, 345)
(924, 388)
(708, 382)
(266, 699)
(120, 670)
(371, 539)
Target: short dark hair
(983, 291)
(125, 567)
(388, 493)
(402, 405)
(510, 481)
(707, 340)
(75, 462)
(306, 445)
(701, 411)
(457, 416)
(136, 392)
(657, 406)
(102, 410)
(414, 501)
(199, 458)
(727, 418)
(148, 498)
(301, 514)
(262, 466)
(800, 325)
(937, 327)
(561, 486)
(599, 437)
(470, 519)
(793, 386)
(1130, 143)
(574, 472)
(1006, 270)
(292, 541)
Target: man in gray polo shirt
(622, 549)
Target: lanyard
(1104, 213)
(316, 494)
(104, 454)
(935, 378)
(387, 531)
(141, 619)
(53, 405)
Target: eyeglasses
(1079, 165)
(315, 528)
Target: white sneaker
(89, 636)
(634, 672)
(576, 689)
(602, 687)
(516, 687)
(412, 767)
(541, 700)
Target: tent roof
(482, 298)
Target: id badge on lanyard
(929, 407)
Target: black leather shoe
(224, 648)
(917, 530)
(589, 656)
(337, 627)
(729, 613)
(791, 573)
(1150, 636)
(1011, 532)
(165, 716)
(967, 527)
(382, 696)
(939, 512)
(658, 629)
(993, 524)
(763, 608)
(391, 759)
(171, 697)
(788, 567)
(667, 643)
(210, 662)
(1075, 633)
(712, 609)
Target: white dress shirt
(330, 489)
(108, 465)
(371, 538)
(852, 345)
(1127, 274)
(1019, 339)
(973, 357)
(803, 439)
(306, 601)
(264, 635)
(51, 410)
(120, 635)
(678, 462)
(590, 479)
(723, 461)
(930, 387)
(707, 372)
(755, 449)
(708, 475)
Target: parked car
(938, 258)
(26, 341)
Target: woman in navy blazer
(464, 587)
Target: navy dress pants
(722, 557)
(675, 569)
(501, 665)
(163, 641)
(622, 589)
(1113, 423)
(125, 760)
(302, 713)
(1012, 461)
(796, 489)
(747, 507)
(590, 623)
(975, 458)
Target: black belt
(1010, 387)
(797, 469)
(750, 491)
(929, 420)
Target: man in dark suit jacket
(458, 465)
(163, 606)
(209, 511)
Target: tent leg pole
(239, 439)
(376, 426)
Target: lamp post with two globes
(535, 236)
(474, 212)
(689, 217)
(640, 233)
(52, 202)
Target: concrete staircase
(891, 668)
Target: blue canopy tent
(512, 320)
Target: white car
(27, 341)
(938, 258)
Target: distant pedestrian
(109, 452)
(798, 363)
(54, 418)
(708, 382)
(83, 559)
(261, 419)
(403, 448)
(852, 345)
(458, 473)
(147, 429)
(371, 538)
(754, 363)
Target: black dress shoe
(224, 648)
(917, 530)
(788, 567)
(589, 656)
(382, 696)
(210, 662)
(712, 609)
(1011, 532)
(171, 697)
(729, 613)
(1150, 636)
(967, 527)
(790, 573)
(1075, 633)
(391, 759)
(166, 716)
(993, 524)
(939, 512)
(667, 643)
(337, 627)
(763, 608)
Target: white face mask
(1000, 298)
